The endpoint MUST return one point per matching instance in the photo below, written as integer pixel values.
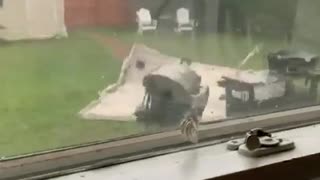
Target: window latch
(258, 142)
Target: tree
(200, 13)
(160, 10)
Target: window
(87, 75)
(1, 3)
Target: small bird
(189, 127)
(190, 123)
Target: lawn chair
(184, 23)
(145, 21)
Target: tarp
(32, 19)
(119, 101)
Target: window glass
(79, 71)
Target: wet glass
(79, 71)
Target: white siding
(45, 18)
(32, 19)
(12, 17)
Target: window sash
(101, 154)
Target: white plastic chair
(184, 23)
(145, 21)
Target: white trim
(208, 162)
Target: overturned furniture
(171, 93)
(297, 65)
(278, 88)
(247, 92)
(119, 101)
(293, 63)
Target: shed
(32, 19)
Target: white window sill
(206, 162)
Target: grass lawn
(222, 49)
(44, 84)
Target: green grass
(44, 84)
(222, 49)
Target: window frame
(91, 156)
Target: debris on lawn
(120, 100)
(231, 91)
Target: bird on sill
(189, 128)
(190, 123)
